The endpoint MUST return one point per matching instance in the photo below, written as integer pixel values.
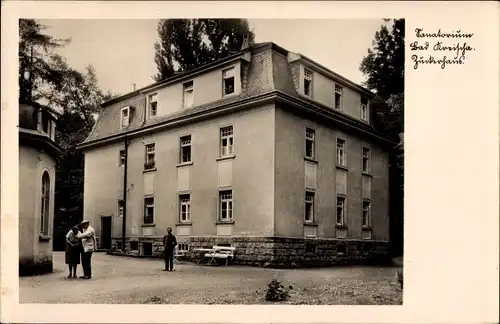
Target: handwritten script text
(446, 48)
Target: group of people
(80, 243)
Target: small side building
(37, 170)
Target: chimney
(133, 84)
(245, 44)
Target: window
(153, 104)
(45, 204)
(310, 247)
(366, 214)
(185, 149)
(125, 114)
(366, 160)
(226, 141)
(185, 208)
(150, 157)
(188, 94)
(340, 210)
(134, 245)
(228, 82)
(308, 82)
(310, 143)
(309, 211)
(338, 97)
(121, 161)
(340, 151)
(121, 206)
(364, 109)
(147, 248)
(149, 210)
(226, 205)
(183, 247)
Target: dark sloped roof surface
(260, 78)
(267, 71)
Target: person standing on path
(73, 251)
(89, 245)
(169, 243)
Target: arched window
(45, 203)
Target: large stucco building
(37, 169)
(266, 150)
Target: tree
(185, 44)
(75, 98)
(384, 69)
(78, 98)
(36, 59)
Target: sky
(121, 50)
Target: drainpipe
(125, 163)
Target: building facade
(37, 169)
(265, 150)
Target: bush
(277, 292)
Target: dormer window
(152, 104)
(125, 116)
(188, 94)
(339, 92)
(308, 76)
(228, 81)
(364, 109)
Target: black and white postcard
(208, 159)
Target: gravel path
(128, 280)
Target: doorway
(105, 233)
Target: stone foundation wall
(275, 252)
(28, 267)
(137, 246)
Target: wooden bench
(221, 252)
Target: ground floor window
(185, 208)
(226, 205)
(309, 207)
(340, 210)
(149, 210)
(366, 214)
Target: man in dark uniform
(169, 243)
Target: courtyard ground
(127, 280)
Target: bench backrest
(224, 249)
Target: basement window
(310, 247)
(147, 249)
(134, 245)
